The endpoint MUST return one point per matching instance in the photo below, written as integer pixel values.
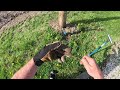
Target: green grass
(20, 43)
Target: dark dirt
(7, 16)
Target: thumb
(62, 58)
(81, 62)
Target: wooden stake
(62, 19)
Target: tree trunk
(62, 19)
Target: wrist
(38, 62)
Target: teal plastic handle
(96, 50)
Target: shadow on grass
(70, 76)
(88, 21)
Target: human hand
(92, 67)
(43, 52)
(54, 51)
(58, 53)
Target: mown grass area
(20, 43)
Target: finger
(87, 57)
(85, 63)
(90, 60)
(59, 60)
(62, 58)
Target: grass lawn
(20, 43)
